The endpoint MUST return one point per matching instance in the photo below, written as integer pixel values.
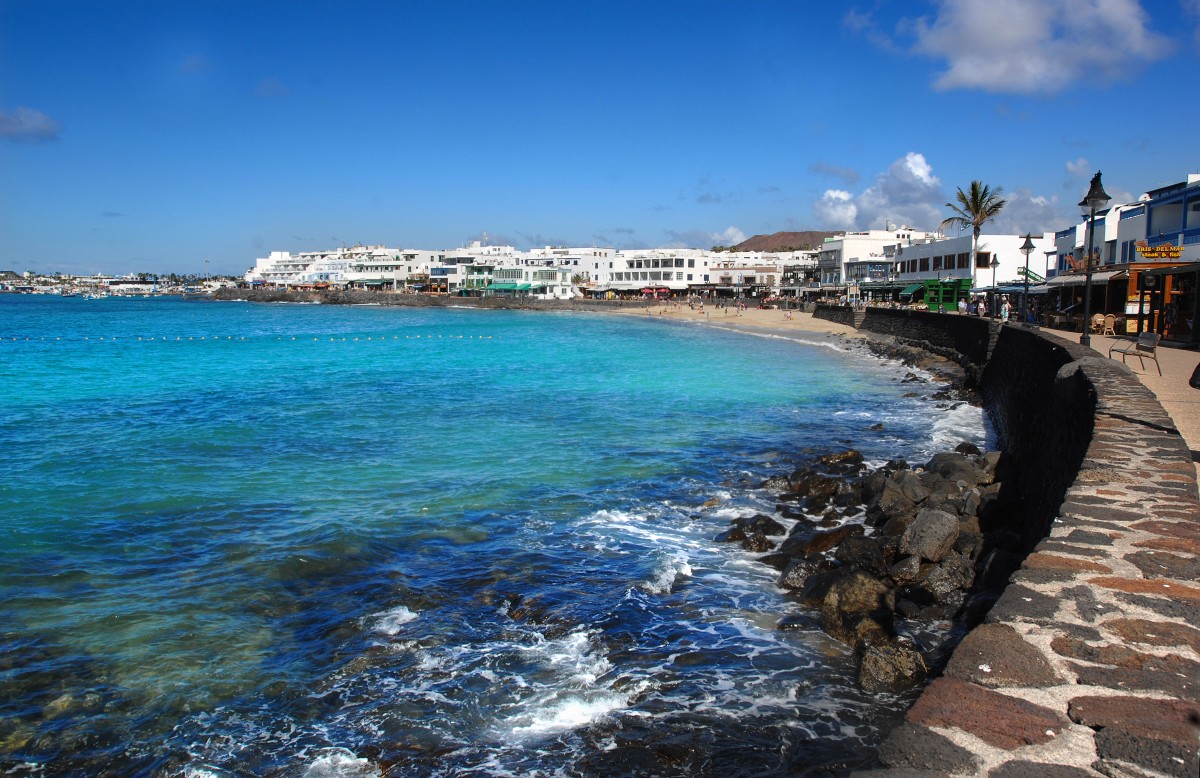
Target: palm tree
(975, 208)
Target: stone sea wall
(1089, 663)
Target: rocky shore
(896, 563)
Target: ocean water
(241, 539)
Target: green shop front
(936, 293)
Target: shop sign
(1160, 252)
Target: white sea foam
(389, 622)
(569, 712)
(668, 572)
(340, 763)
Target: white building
(863, 257)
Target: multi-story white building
(863, 257)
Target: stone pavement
(1089, 664)
(1181, 401)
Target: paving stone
(1118, 516)
(1126, 679)
(919, 748)
(1175, 529)
(1058, 547)
(1092, 538)
(995, 718)
(1172, 609)
(1023, 769)
(1155, 633)
(995, 655)
(1173, 720)
(1043, 561)
(1164, 565)
(1162, 587)
(898, 772)
(1020, 603)
(1036, 577)
(1087, 605)
(1171, 544)
(1167, 757)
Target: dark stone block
(1092, 538)
(918, 748)
(995, 655)
(1162, 755)
(1172, 609)
(1086, 603)
(1020, 603)
(1157, 564)
(1181, 686)
(1058, 547)
(997, 719)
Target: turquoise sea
(242, 539)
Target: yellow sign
(1160, 252)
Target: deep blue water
(242, 539)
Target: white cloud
(1028, 212)
(836, 210)
(908, 193)
(1036, 46)
(25, 125)
(1078, 167)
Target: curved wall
(1089, 663)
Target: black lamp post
(995, 264)
(1027, 248)
(1095, 199)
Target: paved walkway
(1180, 400)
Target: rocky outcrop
(896, 546)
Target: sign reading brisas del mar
(1160, 252)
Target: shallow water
(303, 540)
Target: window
(983, 259)
(691, 263)
(937, 263)
(923, 264)
(689, 276)
(964, 261)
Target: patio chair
(1145, 347)
(1098, 323)
(1110, 325)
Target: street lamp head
(1096, 198)
(995, 262)
(1027, 247)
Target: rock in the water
(800, 569)
(810, 541)
(776, 484)
(967, 448)
(757, 542)
(760, 522)
(870, 554)
(734, 535)
(890, 667)
(931, 535)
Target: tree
(975, 208)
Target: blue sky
(152, 136)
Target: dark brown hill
(785, 241)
